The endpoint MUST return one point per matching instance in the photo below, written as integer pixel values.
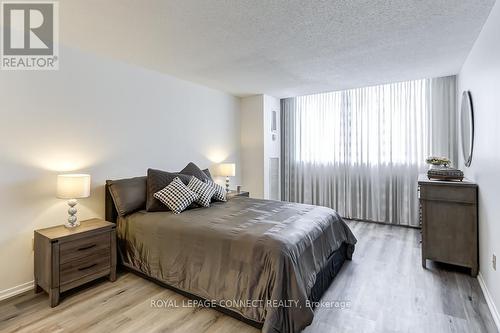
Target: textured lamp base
(72, 219)
(227, 184)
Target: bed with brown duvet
(262, 261)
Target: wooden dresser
(67, 258)
(448, 217)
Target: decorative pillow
(176, 196)
(192, 170)
(158, 180)
(204, 190)
(129, 195)
(220, 192)
(208, 174)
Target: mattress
(258, 258)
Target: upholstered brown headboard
(124, 196)
(111, 214)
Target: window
(360, 151)
(368, 126)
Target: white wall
(257, 145)
(101, 117)
(252, 145)
(481, 75)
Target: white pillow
(176, 196)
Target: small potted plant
(437, 162)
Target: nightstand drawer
(85, 247)
(80, 268)
(232, 194)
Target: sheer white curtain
(360, 151)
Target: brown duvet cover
(259, 258)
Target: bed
(264, 262)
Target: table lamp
(72, 187)
(227, 170)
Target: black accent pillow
(192, 170)
(158, 180)
(129, 195)
(208, 174)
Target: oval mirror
(467, 127)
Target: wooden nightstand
(66, 258)
(232, 194)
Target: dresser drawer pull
(87, 267)
(87, 247)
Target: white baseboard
(11, 292)
(489, 301)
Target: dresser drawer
(460, 194)
(80, 268)
(85, 247)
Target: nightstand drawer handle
(84, 268)
(87, 247)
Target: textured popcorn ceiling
(277, 47)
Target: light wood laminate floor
(386, 288)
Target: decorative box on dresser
(67, 258)
(448, 217)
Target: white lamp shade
(73, 186)
(226, 170)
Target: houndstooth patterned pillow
(220, 192)
(204, 190)
(176, 196)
